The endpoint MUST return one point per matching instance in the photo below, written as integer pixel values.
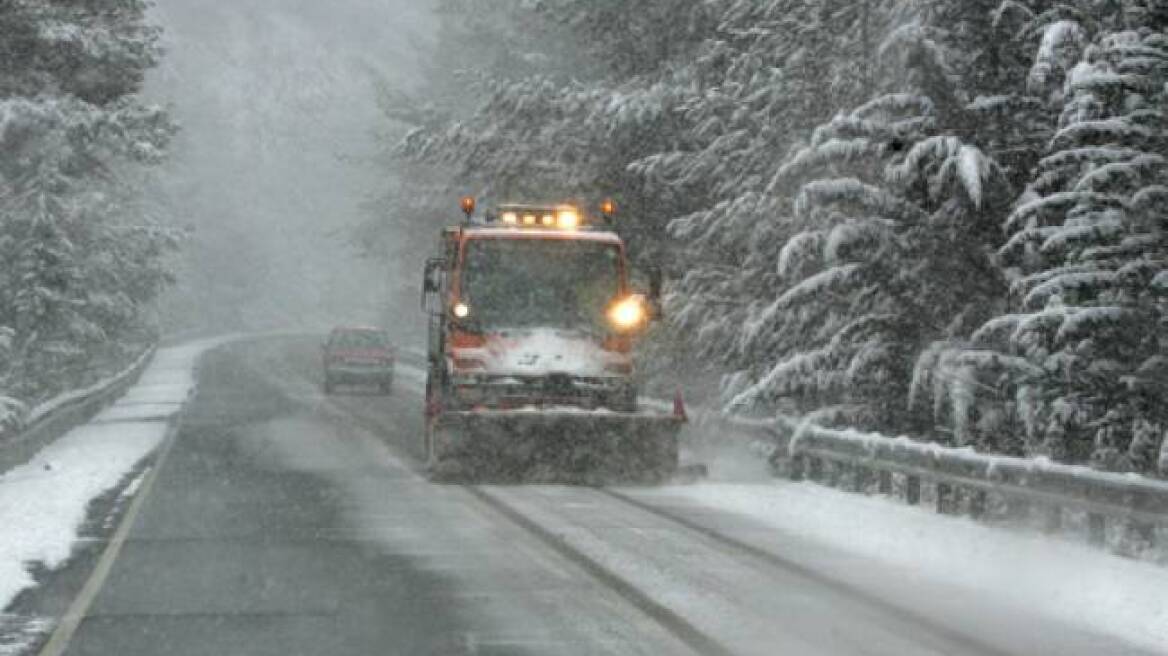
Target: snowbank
(1070, 582)
(43, 503)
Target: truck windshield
(526, 283)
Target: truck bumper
(556, 445)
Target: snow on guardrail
(962, 479)
(38, 426)
(41, 411)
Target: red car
(358, 356)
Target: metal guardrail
(963, 481)
(75, 410)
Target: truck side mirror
(432, 280)
(656, 282)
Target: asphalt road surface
(285, 522)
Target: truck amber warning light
(468, 205)
(569, 219)
(559, 217)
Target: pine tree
(886, 209)
(79, 259)
(1089, 238)
(1075, 366)
(766, 73)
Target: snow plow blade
(553, 446)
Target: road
(282, 521)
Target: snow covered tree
(767, 73)
(1084, 342)
(1090, 239)
(887, 200)
(79, 258)
(885, 212)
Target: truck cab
(531, 305)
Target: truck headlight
(628, 314)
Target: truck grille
(556, 389)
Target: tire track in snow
(675, 624)
(841, 586)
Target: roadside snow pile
(1070, 582)
(43, 503)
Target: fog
(275, 160)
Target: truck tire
(625, 400)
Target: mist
(274, 163)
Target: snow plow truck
(532, 323)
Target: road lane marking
(62, 636)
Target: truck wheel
(625, 401)
(428, 454)
(329, 385)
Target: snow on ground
(43, 503)
(19, 634)
(1072, 582)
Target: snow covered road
(44, 503)
(283, 521)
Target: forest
(81, 255)
(936, 218)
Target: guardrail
(965, 482)
(54, 418)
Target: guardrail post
(834, 473)
(796, 467)
(1140, 535)
(862, 479)
(815, 469)
(885, 484)
(1017, 508)
(912, 490)
(1054, 519)
(1147, 533)
(1096, 529)
(977, 504)
(944, 498)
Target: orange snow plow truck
(532, 322)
